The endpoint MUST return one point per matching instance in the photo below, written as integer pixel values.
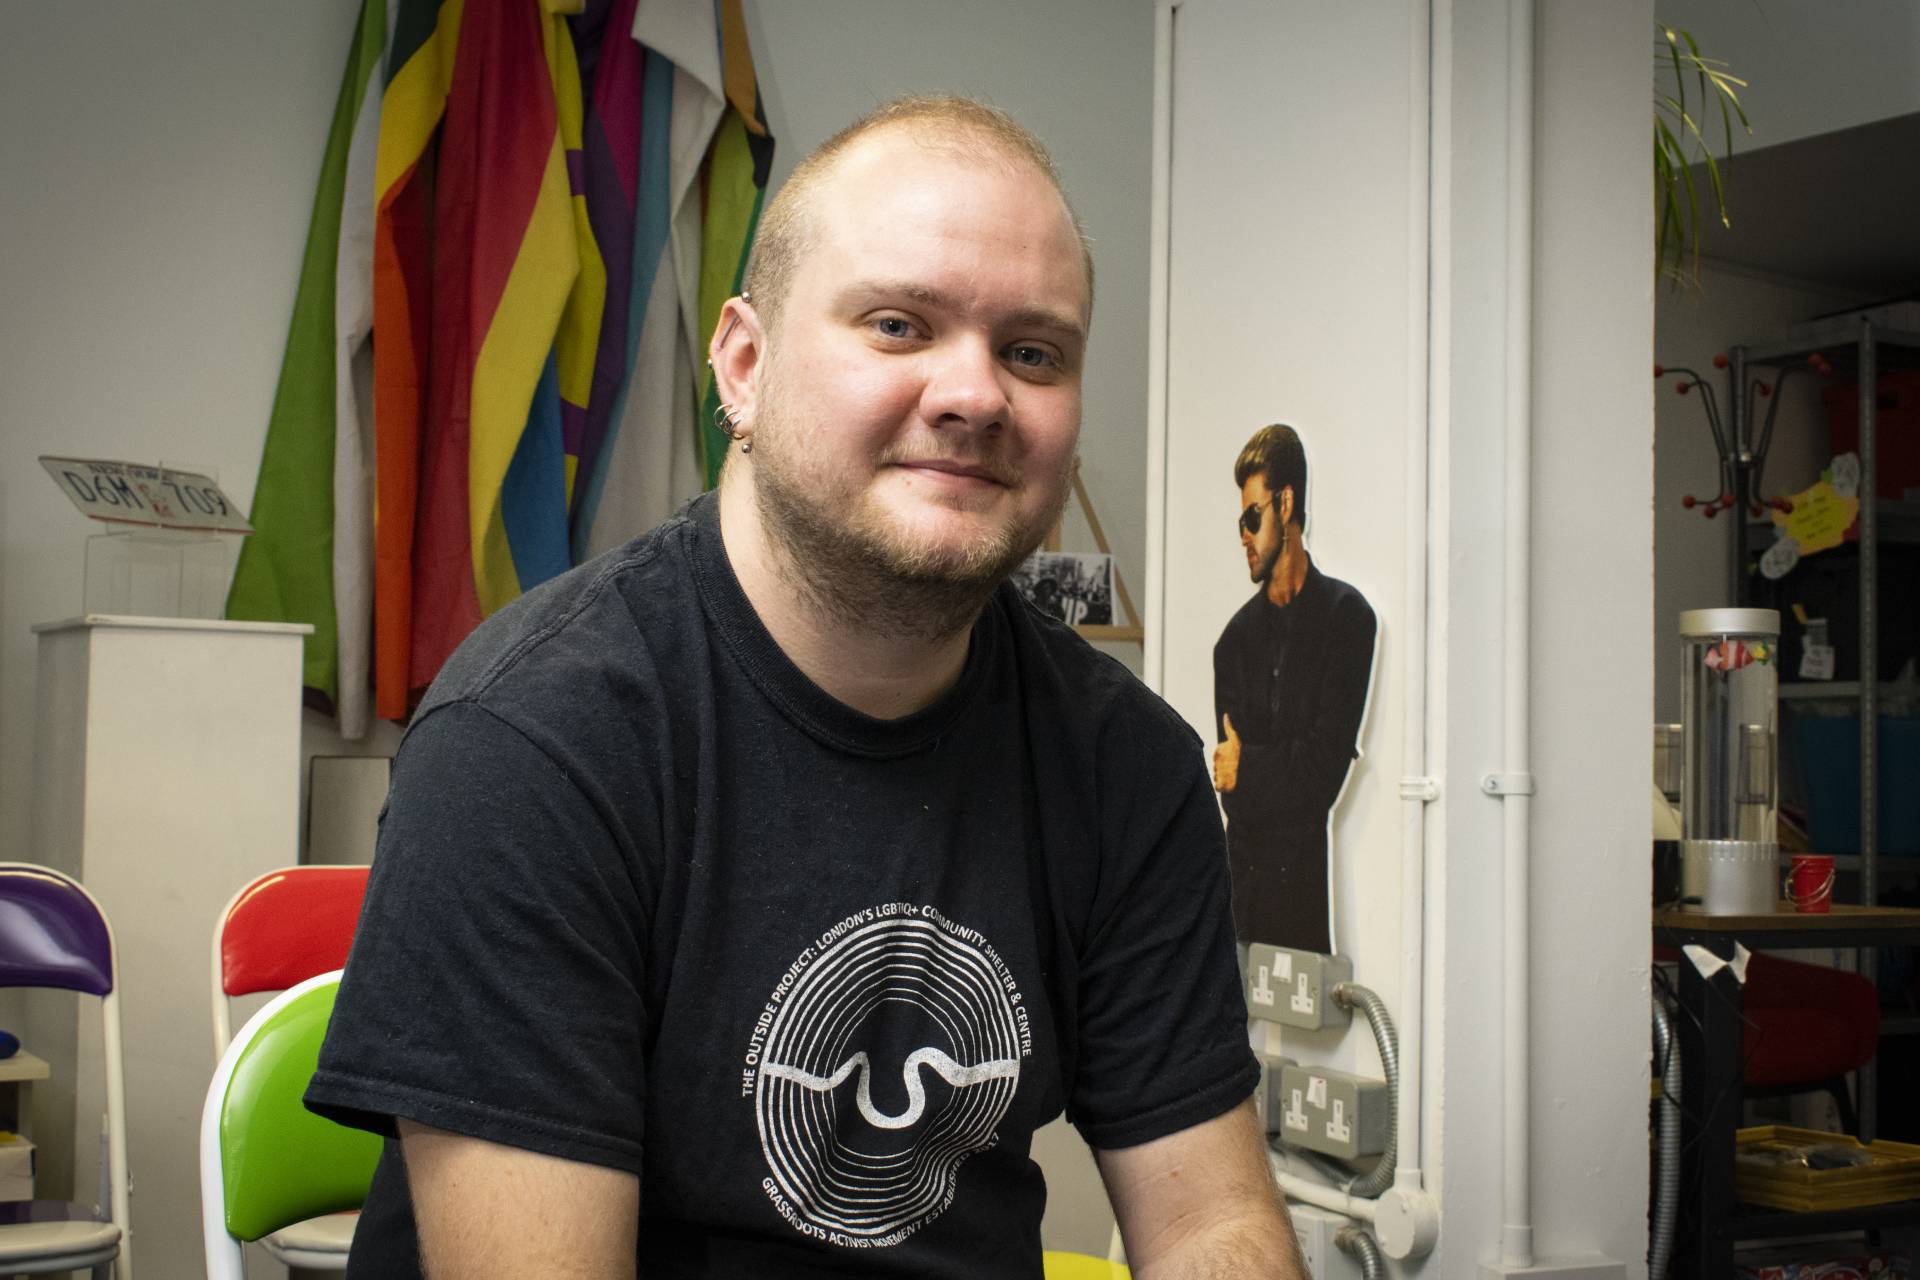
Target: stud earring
(746, 446)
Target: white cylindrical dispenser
(1729, 793)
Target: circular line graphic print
(890, 1061)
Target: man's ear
(738, 347)
(1284, 505)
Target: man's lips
(958, 470)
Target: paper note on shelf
(1820, 518)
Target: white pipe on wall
(1306, 1189)
(1515, 788)
(1153, 657)
(1417, 790)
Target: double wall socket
(1331, 1112)
(1295, 988)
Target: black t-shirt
(647, 897)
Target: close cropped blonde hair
(972, 128)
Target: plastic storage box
(1827, 749)
(1804, 1169)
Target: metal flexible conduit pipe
(1356, 1241)
(1352, 995)
(1666, 1193)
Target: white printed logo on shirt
(887, 1053)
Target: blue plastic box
(1828, 751)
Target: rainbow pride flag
(526, 223)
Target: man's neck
(883, 671)
(1289, 571)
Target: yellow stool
(1078, 1266)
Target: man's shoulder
(1087, 686)
(594, 618)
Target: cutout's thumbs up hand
(1226, 758)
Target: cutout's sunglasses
(1250, 518)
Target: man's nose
(966, 386)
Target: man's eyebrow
(870, 292)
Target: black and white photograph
(1075, 587)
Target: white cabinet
(167, 774)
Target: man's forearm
(1255, 1245)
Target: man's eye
(1032, 357)
(893, 327)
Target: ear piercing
(732, 320)
(727, 419)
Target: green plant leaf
(1678, 138)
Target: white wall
(160, 164)
(1593, 557)
(1591, 667)
(1732, 306)
(1811, 66)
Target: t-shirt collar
(805, 703)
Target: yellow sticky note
(1820, 518)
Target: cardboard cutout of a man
(1290, 677)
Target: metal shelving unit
(1863, 349)
(1859, 347)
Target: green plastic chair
(265, 1160)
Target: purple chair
(53, 934)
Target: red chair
(280, 930)
(1807, 1027)
(287, 926)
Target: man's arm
(485, 1210)
(1201, 1204)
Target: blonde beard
(853, 568)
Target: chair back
(53, 933)
(283, 928)
(266, 1162)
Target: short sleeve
(495, 984)
(1162, 1036)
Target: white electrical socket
(1295, 1116)
(1315, 1229)
(1338, 1130)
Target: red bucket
(1810, 882)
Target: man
(1290, 677)
(748, 897)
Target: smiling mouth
(958, 470)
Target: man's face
(919, 402)
(1262, 548)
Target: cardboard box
(16, 1167)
